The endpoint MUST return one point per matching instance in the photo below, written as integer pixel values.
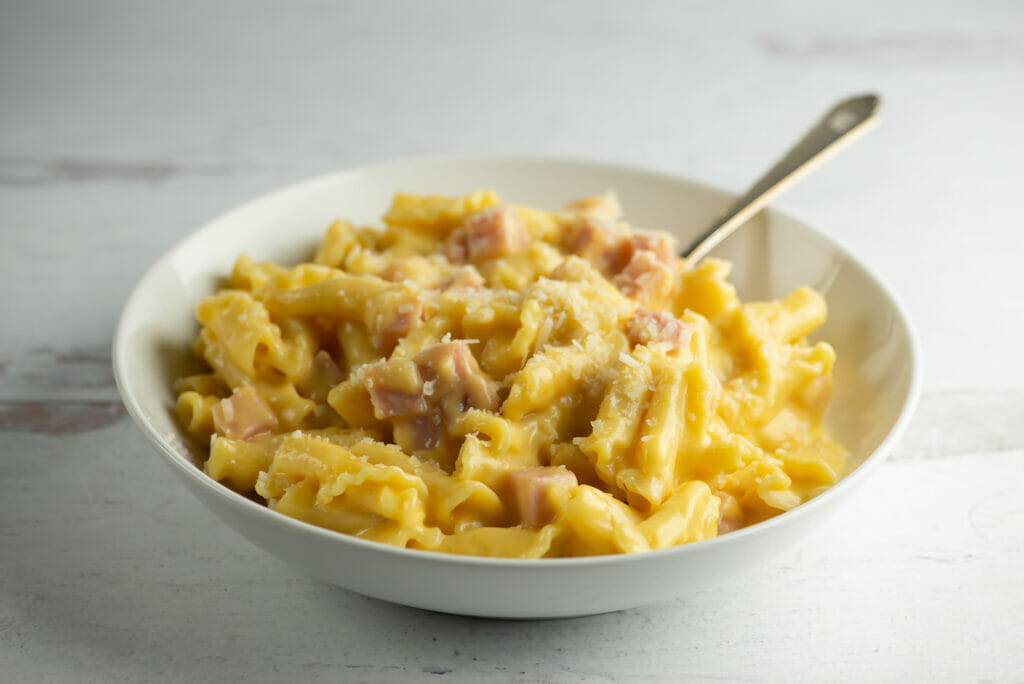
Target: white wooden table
(124, 125)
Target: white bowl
(876, 377)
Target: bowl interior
(875, 372)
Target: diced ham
(394, 272)
(458, 382)
(658, 328)
(423, 431)
(466, 277)
(490, 234)
(530, 488)
(395, 387)
(245, 415)
(396, 324)
(390, 403)
(646, 279)
(494, 233)
(455, 249)
(606, 206)
(662, 244)
(325, 368)
(602, 242)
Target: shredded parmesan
(628, 360)
(228, 409)
(544, 333)
(568, 337)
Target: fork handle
(842, 124)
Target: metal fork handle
(840, 126)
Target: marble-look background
(124, 125)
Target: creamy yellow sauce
(483, 378)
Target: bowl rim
(182, 465)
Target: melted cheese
(413, 369)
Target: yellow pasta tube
(344, 296)
(690, 514)
(555, 372)
(492, 447)
(238, 463)
(383, 490)
(508, 542)
(617, 426)
(652, 475)
(453, 503)
(598, 523)
(242, 341)
(792, 317)
(435, 214)
(338, 241)
(194, 412)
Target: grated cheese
(628, 360)
(540, 388)
(228, 409)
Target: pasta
(483, 378)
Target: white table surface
(124, 125)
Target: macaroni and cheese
(483, 378)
